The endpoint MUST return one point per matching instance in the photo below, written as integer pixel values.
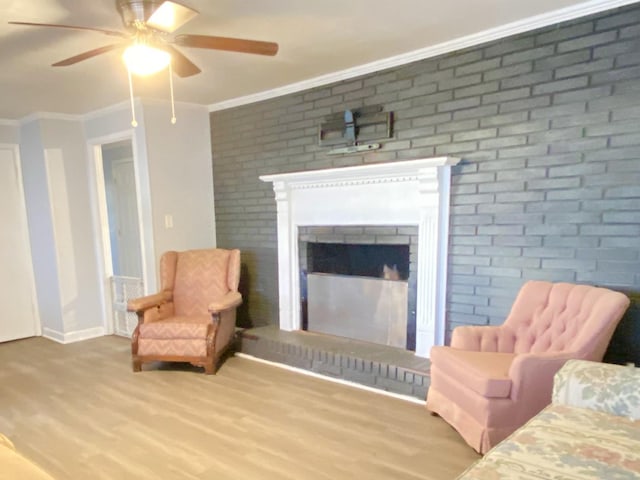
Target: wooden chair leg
(210, 366)
(137, 365)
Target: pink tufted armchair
(493, 379)
(193, 317)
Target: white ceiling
(316, 38)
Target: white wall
(39, 219)
(67, 170)
(9, 132)
(180, 175)
(174, 174)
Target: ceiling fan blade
(87, 55)
(225, 43)
(170, 16)
(181, 64)
(72, 27)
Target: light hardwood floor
(81, 413)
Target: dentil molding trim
(360, 174)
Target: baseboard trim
(71, 337)
(398, 396)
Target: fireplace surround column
(414, 192)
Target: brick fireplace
(411, 193)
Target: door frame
(101, 221)
(34, 292)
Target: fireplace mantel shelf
(413, 192)
(360, 174)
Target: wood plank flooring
(81, 413)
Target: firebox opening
(359, 291)
(378, 261)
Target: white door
(19, 318)
(125, 228)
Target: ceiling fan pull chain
(134, 123)
(173, 108)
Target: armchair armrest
(483, 339)
(532, 375)
(144, 303)
(602, 387)
(230, 300)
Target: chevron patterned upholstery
(198, 280)
(176, 347)
(177, 327)
(192, 318)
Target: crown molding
(6, 122)
(166, 101)
(50, 116)
(139, 103)
(116, 107)
(100, 112)
(503, 31)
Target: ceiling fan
(148, 25)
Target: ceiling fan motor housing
(136, 12)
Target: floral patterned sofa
(591, 430)
(14, 466)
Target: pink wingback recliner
(193, 317)
(493, 379)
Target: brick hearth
(378, 366)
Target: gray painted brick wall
(549, 188)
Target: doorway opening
(120, 219)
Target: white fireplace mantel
(414, 192)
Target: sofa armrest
(14, 465)
(482, 339)
(230, 300)
(143, 303)
(602, 387)
(6, 443)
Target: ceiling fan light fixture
(143, 60)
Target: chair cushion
(200, 278)
(177, 347)
(486, 373)
(177, 328)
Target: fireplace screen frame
(393, 245)
(361, 308)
